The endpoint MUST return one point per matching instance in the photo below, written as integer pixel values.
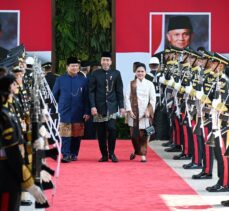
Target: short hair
(180, 22)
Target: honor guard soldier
(226, 203)
(49, 75)
(85, 68)
(219, 142)
(15, 175)
(161, 123)
(20, 108)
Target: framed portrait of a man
(180, 30)
(9, 28)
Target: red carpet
(87, 185)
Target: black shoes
(202, 175)
(132, 156)
(74, 158)
(113, 158)
(167, 144)
(217, 188)
(66, 159)
(182, 157)
(192, 166)
(103, 159)
(225, 203)
(174, 148)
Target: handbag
(149, 130)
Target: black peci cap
(180, 22)
(85, 64)
(106, 54)
(72, 60)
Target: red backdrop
(35, 22)
(132, 21)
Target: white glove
(188, 89)
(45, 176)
(215, 102)
(217, 133)
(171, 81)
(43, 131)
(177, 86)
(36, 192)
(45, 110)
(39, 143)
(199, 94)
(159, 74)
(162, 79)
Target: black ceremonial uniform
(161, 122)
(14, 174)
(106, 91)
(106, 94)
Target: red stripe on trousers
(225, 163)
(4, 202)
(185, 139)
(207, 151)
(195, 144)
(177, 131)
(185, 132)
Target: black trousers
(9, 185)
(208, 152)
(187, 139)
(75, 146)
(222, 161)
(107, 137)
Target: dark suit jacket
(106, 91)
